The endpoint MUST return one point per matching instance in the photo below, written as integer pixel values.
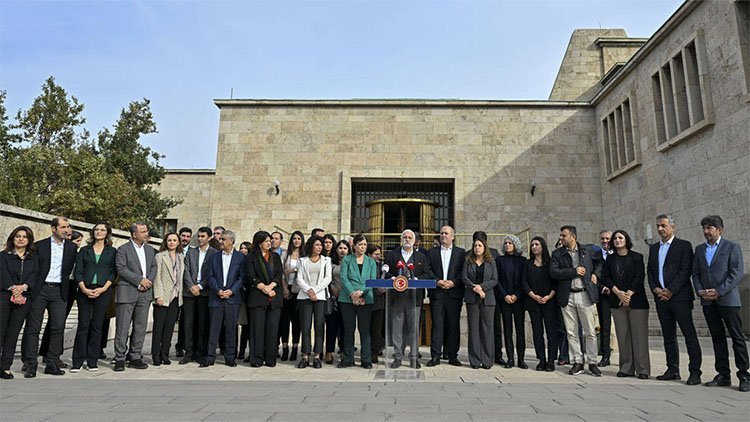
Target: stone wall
(193, 187)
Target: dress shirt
(445, 257)
(577, 282)
(141, 252)
(55, 264)
(201, 258)
(226, 259)
(406, 255)
(663, 249)
(711, 250)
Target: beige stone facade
(633, 128)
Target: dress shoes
(642, 376)
(719, 381)
(255, 364)
(6, 375)
(486, 366)
(621, 374)
(203, 364)
(744, 385)
(302, 364)
(137, 364)
(344, 365)
(156, 360)
(540, 366)
(500, 361)
(509, 363)
(433, 362)
(180, 353)
(53, 370)
(522, 365)
(366, 366)
(317, 364)
(594, 369)
(474, 366)
(444, 356)
(231, 363)
(550, 367)
(604, 362)
(185, 360)
(30, 373)
(58, 362)
(396, 364)
(119, 366)
(165, 360)
(693, 379)
(454, 362)
(668, 376)
(271, 364)
(25, 367)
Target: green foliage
(47, 163)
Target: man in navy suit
(225, 273)
(717, 271)
(670, 263)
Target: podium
(403, 307)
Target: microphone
(400, 267)
(384, 269)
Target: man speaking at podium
(403, 309)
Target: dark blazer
(421, 270)
(678, 266)
(87, 267)
(505, 286)
(561, 269)
(14, 271)
(633, 274)
(190, 275)
(235, 277)
(258, 271)
(455, 268)
(488, 283)
(724, 274)
(541, 284)
(44, 251)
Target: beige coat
(165, 277)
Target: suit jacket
(44, 252)
(561, 269)
(724, 274)
(165, 279)
(86, 266)
(14, 271)
(422, 270)
(678, 265)
(258, 271)
(319, 285)
(352, 280)
(234, 281)
(131, 274)
(455, 268)
(190, 276)
(488, 282)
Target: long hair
(628, 241)
(333, 243)
(107, 239)
(545, 251)
(335, 260)
(310, 243)
(290, 248)
(258, 238)
(486, 256)
(30, 248)
(163, 246)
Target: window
(165, 226)
(680, 89)
(618, 140)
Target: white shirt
(141, 252)
(201, 258)
(445, 257)
(663, 249)
(226, 259)
(406, 255)
(55, 264)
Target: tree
(49, 165)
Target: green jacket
(352, 280)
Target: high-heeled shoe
(329, 358)
(6, 375)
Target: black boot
(293, 355)
(285, 354)
(605, 360)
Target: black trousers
(356, 316)
(446, 322)
(497, 325)
(72, 295)
(605, 325)
(377, 333)
(334, 331)
(91, 312)
(672, 313)
(180, 345)
(544, 319)
(12, 317)
(718, 317)
(289, 314)
(48, 299)
(310, 312)
(195, 309)
(165, 318)
(264, 334)
(223, 316)
(513, 316)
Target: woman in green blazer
(95, 273)
(356, 300)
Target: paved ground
(186, 392)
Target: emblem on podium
(400, 283)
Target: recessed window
(618, 140)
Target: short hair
(316, 230)
(358, 238)
(712, 221)
(417, 236)
(311, 242)
(479, 234)
(107, 240)
(628, 241)
(605, 231)
(75, 234)
(667, 217)
(207, 230)
(134, 226)
(571, 229)
(281, 235)
(230, 234)
(408, 231)
(372, 247)
(9, 246)
(516, 244)
(57, 220)
(220, 228)
(163, 246)
(185, 230)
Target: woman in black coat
(511, 298)
(19, 271)
(540, 291)
(264, 283)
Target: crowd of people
(316, 291)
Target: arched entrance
(388, 217)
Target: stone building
(633, 127)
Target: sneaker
(75, 369)
(594, 369)
(91, 368)
(576, 369)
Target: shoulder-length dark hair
(247, 245)
(486, 257)
(628, 241)
(163, 246)
(335, 260)
(30, 248)
(107, 239)
(310, 243)
(545, 251)
(333, 243)
(290, 247)
(258, 238)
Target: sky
(182, 55)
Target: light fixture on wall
(277, 186)
(649, 235)
(533, 187)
